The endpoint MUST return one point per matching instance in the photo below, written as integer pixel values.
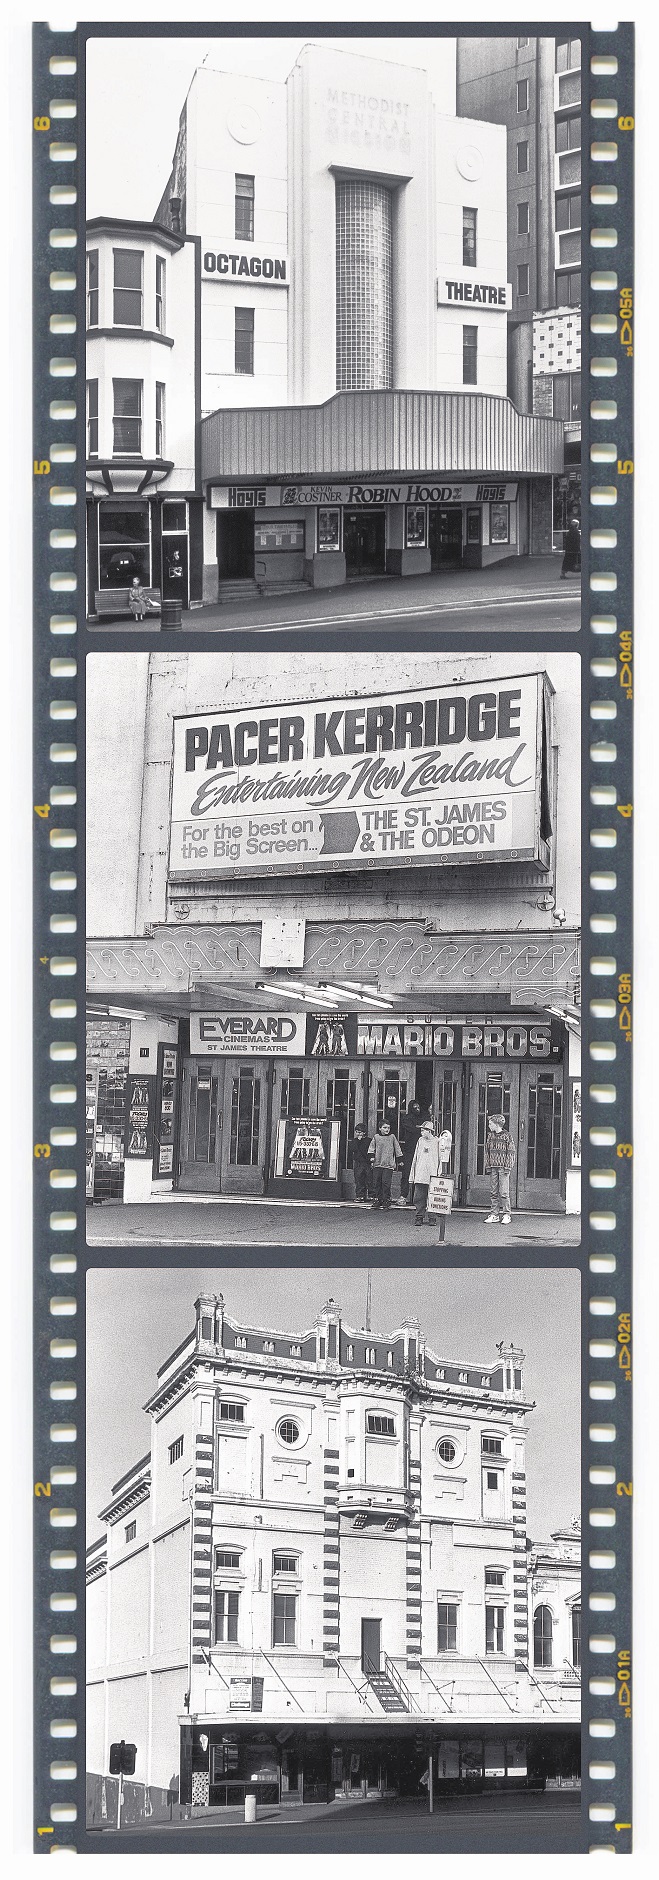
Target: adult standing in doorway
(410, 1132)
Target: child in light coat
(430, 1157)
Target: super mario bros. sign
(444, 775)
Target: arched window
(543, 1630)
(576, 1637)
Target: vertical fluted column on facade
(520, 1571)
(331, 1555)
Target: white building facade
(319, 1578)
(350, 245)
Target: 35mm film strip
(64, 638)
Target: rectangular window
(245, 1118)
(284, 1618)
(568, 210)
(329, 529)
(128, 272)
(284, 1563)
(523, 280)
(160, 294)
(175, 1450)
(576, 1637)
(492, 1478)
(447, 1626)
(523, 223)
(470, 355)
(494, 1628)
(226, 1557)
(568, 55)
(568, 132)
(244, 229)
(232, 1412)
(227, 1607)
(380, 1426)
(495, 1576)
(131, 1530)
(469, 217)
(92, 287)
(244, 340)
(160, 419)
(522, 159)
(127, 417)
(522, 94)
(415, 526)
(92, 417)
(491, 1445)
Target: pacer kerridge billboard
(457, 773)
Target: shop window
(226, 1557)
(543, 1149)
(576, 1637)
(226, 1605)
(471, 1759)
(160, 419)
(92, 417)
(244, 202)
(495, 1617)
(377, 1425)
(568, 210)
(160, 294)
(522, 94)
(127, 417)
(232, 1412)
(124, 548)
(447, 1626)
(500, 521)
(175, 1450)
(245, 1117)
(174, 518)
(131, 1530)
(469, 221)
(523, 220)
(284, 1619)
(92, 287)
(415, 526)
(244, 340)
(491, 1445)
(568, 55)
(285, 1563)
(522, 158)
(523, 280)
(543, 1636)
(470, 355)
(568, 132)
(128, 296)
(329, 529)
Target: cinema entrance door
(224, 1112)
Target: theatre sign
(456, 774)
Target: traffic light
(123, 1757)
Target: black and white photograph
(333, 333)
(333, 948)
(331, 1564)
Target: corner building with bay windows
(309, 930)
(319, 1579)
(339, 243)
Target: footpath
(228, 1220)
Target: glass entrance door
(364, 542)
(445, 537)
(492, 1093)
(392, 1089)
(202, 1127)
(223, 1127)
(540, 1175)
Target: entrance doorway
(223, 1128)
(531, 1099)
(318, 1089)
(175, 577)
(371, 1646)
(235, 544)
(364, 542)
(445, 537)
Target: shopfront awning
(371, 433)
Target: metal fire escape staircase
(390, 1689)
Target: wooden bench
(113, 602)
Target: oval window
(446, 1450)
(288, 1431)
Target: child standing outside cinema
(385, 1153)
(361, 1164)
(500, 1154)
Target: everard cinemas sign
(453, 774)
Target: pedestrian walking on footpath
(410, 1130)
(386, 1155)
(500, 1158)
(430, 1158)
(361, 1164)
(571, 563)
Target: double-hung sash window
(160, 294)
(244, 340)
(127, 417)
(92, 287)
(447, 1626)
(128, 289)
(226, 1614)
(244, 228)
(284, 1619)
(92, 417)
(160, 419)
(543, 1637)
(470, 355)
(494, 1628)
(469, 219)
